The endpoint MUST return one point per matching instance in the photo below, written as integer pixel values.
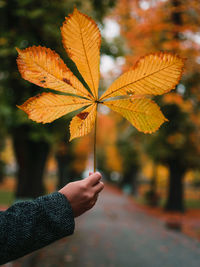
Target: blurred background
(158, 173)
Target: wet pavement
(117, 233)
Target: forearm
(30, 225)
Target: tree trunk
(31, 157)
(175, 199)
(130, 179)
(65, 158)
(65, 173)
(153, 182)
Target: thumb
(90, 173)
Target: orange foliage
(7, 154)
(106, 138)
(174, 98)
(152, 28)
(177, 139)
(81, 151)
(171, 25)
(113, 159)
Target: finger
(98, 187)
(96, 197)
(90, 173)
(94, 200)
(92, 203)
(93, 179)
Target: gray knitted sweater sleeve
(30, 225)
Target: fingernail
(98, 173)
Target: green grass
(6, 198)
(192, 204)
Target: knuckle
(88, 196)
(102, 185)
(83, 186)
(70, 185)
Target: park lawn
(7, 189)
(6, 198)
(192, 204)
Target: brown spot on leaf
(129, 92)
(67, 81)
(43, 81)
(83, 115)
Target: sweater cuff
(60, 213)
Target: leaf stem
(95, 141)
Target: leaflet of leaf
(44, 67)
(142, 113)
(83, 123)
(82, 41)
(48, 106)
(153, 74)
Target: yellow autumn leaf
(44, 67)
(153, 74)
(142, 113)
(47, 107)
(83, 123)
(82, 41)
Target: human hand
(83, 194)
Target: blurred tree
(25, 23)
(65, 158)
(174, 147)
(4, 112)
(71, 157)
(109, 158)
(130, 163)
(118, 158)
(101, 8)
(172, 25)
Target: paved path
(116, 233)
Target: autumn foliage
(129, 95)
(173, 26)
